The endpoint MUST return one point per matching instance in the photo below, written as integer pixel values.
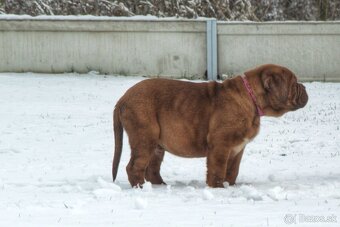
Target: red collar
(252, 95)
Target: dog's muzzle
(301, 96)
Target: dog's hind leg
(152, 173)
(143, 131)
(141, 154)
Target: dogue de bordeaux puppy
(209, 119)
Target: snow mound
(140, 203)
(207, 194)
(277, 193)
(251, 193)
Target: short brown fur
(213, 120)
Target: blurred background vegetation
(252, 10)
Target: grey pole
(211, 49)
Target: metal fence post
(212, 49)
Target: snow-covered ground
(56, 147)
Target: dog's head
(282, 91)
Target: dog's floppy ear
(270, 80)
(267, 80)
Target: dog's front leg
(233, 168)
(217, 160)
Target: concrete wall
(152, 48)
(310, 49)
(167, 48)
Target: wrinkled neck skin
(255, 81)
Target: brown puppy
(213, 120)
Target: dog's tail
(118, 135)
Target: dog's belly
(184, 147)
(184, 133)
(186, 152)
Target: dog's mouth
(301, 97)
